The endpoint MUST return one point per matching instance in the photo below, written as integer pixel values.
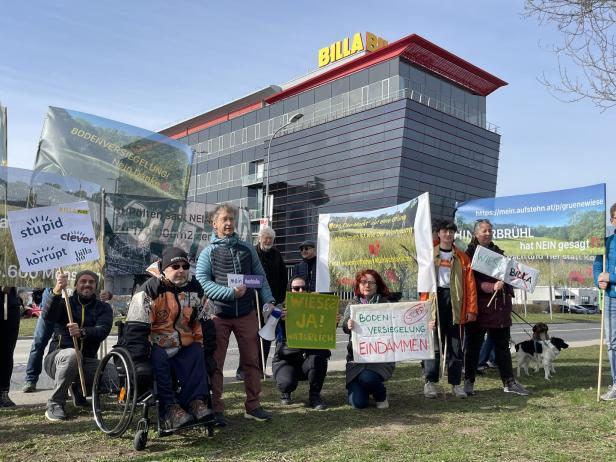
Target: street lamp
(292, 120)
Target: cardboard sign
(389, 332)
(311, 320)
(252, 281)
(521, 276)
(505, 269)
(55, 236)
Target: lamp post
(292, 120)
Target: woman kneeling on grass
(364, 379)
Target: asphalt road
(576, 334)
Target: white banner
(55, 236)
(389, 332)
(505, 269)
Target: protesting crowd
(180, 324)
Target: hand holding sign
(506, 270)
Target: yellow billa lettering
(358, 44)
(323, 56)
(338, 51)
(372, 42)
(346, 51)
(382, 42)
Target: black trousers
(289, 371)
(9, 330)
(474, 338)
(450, 333)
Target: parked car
(579, 309)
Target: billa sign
(349, 46)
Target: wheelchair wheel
(140, 440)
(114, 394)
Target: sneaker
(469, 388)
(78, 399)
(382, 404)
(491, 365)
(198, 409)
(176, 417)
(29, 387)
(610, 395)
(458, 391)
(315, 402)
(219, 419)
(55, 412)
(430, 390)
(5, 401)
(285, 399)
(258, 414)
(515, 387)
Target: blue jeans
(42, 333)
(610, 333)
(487, 352)
(189, 368)
(366, 383)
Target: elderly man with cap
(91, 325)
(307, 268)
(162, 323)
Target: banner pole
(260, 338)
(82, 378)
(602, 304)
(102, 351)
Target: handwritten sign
(389, 332)
(505, 269)
(55, 236)
(311, 320)
(253, 281)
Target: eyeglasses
(305, 248)
(177, 266)
(298, 288)
(368, 283)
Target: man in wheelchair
(162, 324)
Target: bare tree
(588, 28)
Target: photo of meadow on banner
(557, 232)
(395, 241)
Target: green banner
(121, 158)
(311, 320)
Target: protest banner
(121, 158)
(390, 332)
(3, 137)
(18, 192)
(138, 228)
(557, 232)
(52, 237)
(395, 241)
(506, 269)
(311, 320)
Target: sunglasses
(305, 248)
(177, 266)
(298, 288)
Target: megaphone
(268, 331)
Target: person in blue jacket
(605, 278)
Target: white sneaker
(382, 404)
(430, 390)
(610, 395)
(458, 391)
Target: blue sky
(153, 63)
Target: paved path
(576, 334)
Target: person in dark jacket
(9, 330)
(307, 268)
(290, 365)
(162, 324)
(233, 308)
(91, 325)
(365, 379)
(494, 316)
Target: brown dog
(540, 331)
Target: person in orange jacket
(456, 304)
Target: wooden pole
(601, 303)
(260, 338)
(82, 378)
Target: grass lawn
(558, 318)
(560, 421)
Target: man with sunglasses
(162, 324)
(307, 268)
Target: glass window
(322, 93)
(375, 91)
(250, 133)
(355, 98)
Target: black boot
(5, 401)
(315, 402)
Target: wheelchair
(120, 387)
